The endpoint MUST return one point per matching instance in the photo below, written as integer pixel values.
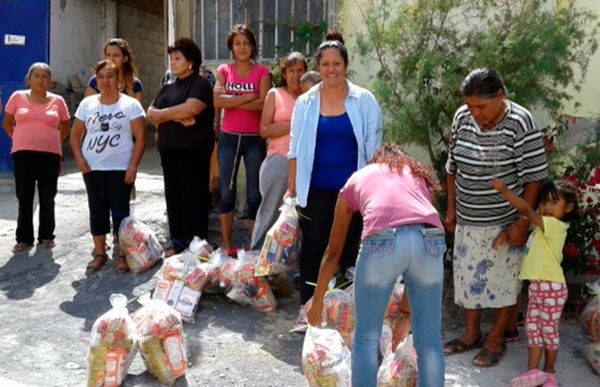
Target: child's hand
(498, 185)
(501, 240)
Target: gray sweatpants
(273, 184)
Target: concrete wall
(78, 30)
(145, 32)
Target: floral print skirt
(484, 277)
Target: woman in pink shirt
(402, 235)
(275, 128)
(36, 121)
(240, 91)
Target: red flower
(596, 244)
(571, 250)
(589, 200)
(572, 180)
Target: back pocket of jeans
(435, 240)
(382, 242)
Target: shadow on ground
(27, 271)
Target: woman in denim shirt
(336, 129)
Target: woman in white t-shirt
(102, 140)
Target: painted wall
(78, 30)
(144, 30)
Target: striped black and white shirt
(513, 151)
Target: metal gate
(24, 39)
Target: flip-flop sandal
(97, 263)
(458, 346)
(490, 359)
(20, 247)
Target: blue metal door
(24, 39)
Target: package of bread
(112, 345)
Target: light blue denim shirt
(365, 117)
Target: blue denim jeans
(382, 258)
(232, 147)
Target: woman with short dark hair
(36, 121)
(491, 137)
(183, 113)
(108, 140)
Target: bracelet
(216, 125)
(132, 167)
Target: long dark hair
(242, 29)
(129, 69)
(561, 189)
(391, 155)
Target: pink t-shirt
(387, 199)
(284, 106)
(235, 120)
(36, 126)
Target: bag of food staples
(399, 368)
(179, 285)
(112, 345)
(590, 317)
(213, 266)
(161, 340)
(391, 312)
(281, 249)
(338, 312)
(591, 352)
(249, 289)
(200, 248)
(140, 245)
(326, 360)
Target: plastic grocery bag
(590, 317)
(140, 244)
(213, 266)
(326, 360)
(399, 368)
(592, 354)
(281, 249)
(179, 285)
(200, 247)
(338, 312)
(391, 312)
(249, 289)
(161, 341)
(112, 345)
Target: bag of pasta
(338, 312)
(281, 249)
(590, 317)
(112, 345)
(326, 360)
(249, 289)
(399, 368)
(161, 340)
(140, 245)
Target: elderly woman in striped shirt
(491, 137)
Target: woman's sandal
(487, 358)
(97, 263)
(122, 265)
(455, 346)
(20, 247)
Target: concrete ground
(48, 305)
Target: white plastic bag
(180, 282)
(161, 340)
(249, 289)
(326, 360)
(338, 312)
(590, 318)
(213, 266)
(200, 247)
(140, 244)
(592, 354)
(399, 368)
(281, 249)
(112, 345)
